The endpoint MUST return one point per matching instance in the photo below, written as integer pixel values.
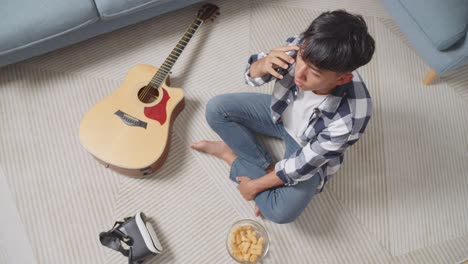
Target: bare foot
(216, 148)
(257, 212)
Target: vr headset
(134, 238)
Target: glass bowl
(261, 232)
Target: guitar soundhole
(148, 95)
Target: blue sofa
(437, 29)
(32, 27)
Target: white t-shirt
(297, 114)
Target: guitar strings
(148, 88)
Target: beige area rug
(400, 197)
(13, 238)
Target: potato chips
(246, 244)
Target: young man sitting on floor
(319, 107)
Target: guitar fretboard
(166, 67)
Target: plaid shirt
(337, 123)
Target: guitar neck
(166, 67)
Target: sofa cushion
(444, 22)
(109, 9)
(27, 22)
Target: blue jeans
(237, 118)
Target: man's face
(310, 78)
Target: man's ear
(345, 78)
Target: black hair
(337, 41)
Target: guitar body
(128, 135)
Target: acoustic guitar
(129, 131)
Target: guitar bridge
(130, 120)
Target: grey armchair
(436, 29)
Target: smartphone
(282, 71)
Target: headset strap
(113, 239)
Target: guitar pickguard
(159, 112)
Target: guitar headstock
(208, 11)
